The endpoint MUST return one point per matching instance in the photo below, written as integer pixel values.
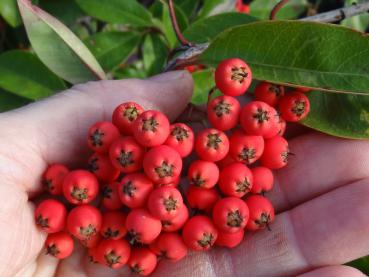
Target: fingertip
(170, 92)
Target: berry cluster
(127, 206)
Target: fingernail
(168, 76)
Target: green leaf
(204, 30)
(117, 11)
(9, 101)
(187, 6)
(203, 83)
(23, 74)
(339, 115)
(155, 53)
(134, 70)
(168, 27)
(262, 8)
(9, 11)
(212, 7)
(112, 48)
(361, 264)
(316, 55)
(67, 11)
(58, 47)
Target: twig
(175, 25)
(339, 14)
(276, 9)
(190, 56)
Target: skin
(321, 197)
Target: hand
(321, 197)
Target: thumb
(56, 128)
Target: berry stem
(276, 9)
(175, 25)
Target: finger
(320, 164)
(55, 130)
(334, 271)
(328, 230)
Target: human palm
(321, 197)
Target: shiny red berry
(233, 77)
(224, 112)
(125, 115)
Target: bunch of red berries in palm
(130, 205)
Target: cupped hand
(322, 196)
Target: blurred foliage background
(129, 39)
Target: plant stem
(276, 9)
(175, 25)
(339, 14)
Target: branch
(190, 56)
(175, 25)
(339, 14)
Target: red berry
(233, 77)
(245, 148)
(162, 164)
(50, 216)
(102, 168)
(259, 119)
(126, 154)
(142, 261)
(59, 245)
(229, 240)
(110, 197)
(303, 89)
(92, 255)
(202, 199)
(181, 138)
(151, 128)
(142, 227)
(268, 93)
(225, 161)
(276, 153)
(113, 225)
(203, 174)
(84, 222)
(212, 145)
(261, 212)
(294, 106)
(177, 222)
(282, 126)
(134, 190)
(92, 241)
(170, 246)
(242, 8)
(230, 214)
(172, 184)
(165, 202)
(263, 179)
(52, 179)
(113, 253)
(101, 135)
(80, 187)
(199, 233)
(125, 115)
(235, 180)
(224, 112)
